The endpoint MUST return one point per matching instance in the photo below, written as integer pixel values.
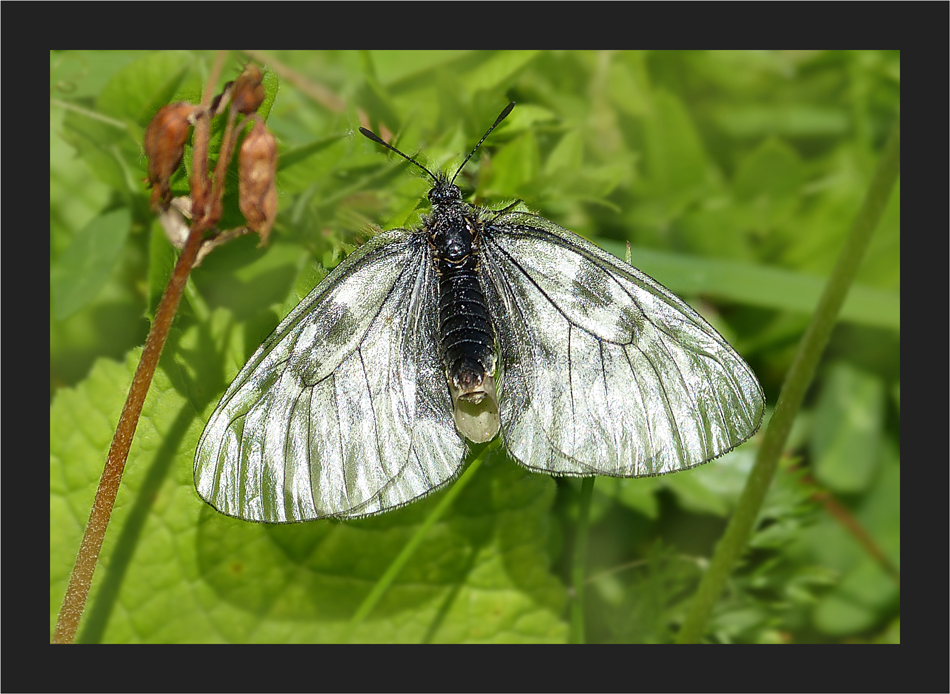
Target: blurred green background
(734, 176)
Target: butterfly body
(466, 334)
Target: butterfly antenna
(377, 139)
(501, 117)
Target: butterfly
(477, 324)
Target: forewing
(343, 411)
(605, 371)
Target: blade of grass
(754, 285)
(793, 392)
(386, 580)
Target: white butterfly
(476, 324)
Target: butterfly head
(444, 193)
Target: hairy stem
(74, 602)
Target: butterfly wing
(605, 371)
(343, 411)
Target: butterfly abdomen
(466, 333)
(465, 328)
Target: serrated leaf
(174, 570)
(137, 91)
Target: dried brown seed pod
(257, 171)
(248, 94)
(164, 145)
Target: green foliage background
(733, 175)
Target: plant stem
(74, 602)
(793, 392)
(580, 561)
(843, 515)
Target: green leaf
(498, 69)
(865, 592)
(795, 120)
(674, 157)
(139, 90)
(768, 183)
(713, 488)
(174, 570)
(516, 165)
(846, 442)
(83, 269)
